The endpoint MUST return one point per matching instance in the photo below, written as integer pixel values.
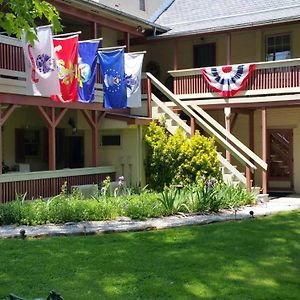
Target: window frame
(275, 51)
(107, 144)
(142, 5)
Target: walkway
(125, 224)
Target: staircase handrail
(224, 162)
(239, 156)
(170, 113)
(235, 152)
(230, 137)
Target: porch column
(227, 110)
(264, 148)
(193, 126)
(251, 137)
(227, 113)
(94, 119)
(127, 41)
(95, 30)
(175, 55)
(51, 148)
(3, 118)
(52, 120)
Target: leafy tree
(16, 15)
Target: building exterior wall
(246, 46)
(277, 118)
(128, 157)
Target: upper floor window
(204, 55)
(278, 47)
(142, 5)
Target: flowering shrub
(204, 197)
(175, 159)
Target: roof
(186, 17)
(119, 15)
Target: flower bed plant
(205, 197)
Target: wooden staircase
(163, 113)
(237, 149)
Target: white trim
(55, 174)
(269, 92)
(12, 73)
(12, 82)
(239, 100)
(111, 48)
(91, 40)
(259, 65)
(10, 41)
(70, 34)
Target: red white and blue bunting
(228, 80)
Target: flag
(87, 63)
(133, 73)
(112, 73)
(40, 64)
(67, 64)
(228, 80)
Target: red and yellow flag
(67, 64)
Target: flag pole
(138, 52)
(66, 34)
(92, 40)
(112, 48)
(44, 26)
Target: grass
(251, 259)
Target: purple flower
(211, 183)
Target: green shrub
(175, 159)
(142, 206)
(204, 197)
(173, 200)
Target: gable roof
(186, 17)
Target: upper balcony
(279, 80)
(13, 75)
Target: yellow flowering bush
(176, 159)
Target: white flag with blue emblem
(133, 73)
(41, 71)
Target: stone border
(126, 224)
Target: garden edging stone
(122, 224)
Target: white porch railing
(269, 78)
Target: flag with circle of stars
(113, 73)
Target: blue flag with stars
(87, 63)
(113, 78)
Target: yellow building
(44, 143)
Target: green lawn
(252, 259)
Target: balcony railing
(276, 77)
(12, 66)
(48, 183)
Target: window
(142, 5)
(111, 140)
(278, 47)
(32, 142)
(204, 55)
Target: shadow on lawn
(253, 259)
